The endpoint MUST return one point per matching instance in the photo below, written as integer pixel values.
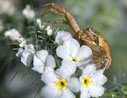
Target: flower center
(74, 59)
(61, 84)
(44, 64)
(86, 81)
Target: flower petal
(49, 76)
(84, 63)
(27, 55)
(84, 92)
(72, 45)
(62, 52)
(89, 70)
(50, 91)
(26, 58)
(99, 78)
(39, 69)
(96, 90)
(62, 36)
(42, 55)
(19, 53)
(68, 49)
(37, 62)
(66, 69)
(84, 52)
(51, 61)
(67, 94)
(80, 78)
(30, 47)
(74, 84)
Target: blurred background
(108, 17)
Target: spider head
(89, 36)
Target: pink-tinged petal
(49, 76)
(74, 84)
(50, 91)
(96, 90)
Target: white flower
(49, 30)
(42, 60)
(22, 42)
(91, 82)
(19, 53)
(28, 13)
(57, 86)
(13, 34)
(26, 54)
(71, 51)
(39, 23)
(62, 36)
(7, 7)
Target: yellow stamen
(61, 84)
(86, 81)
(74, 59)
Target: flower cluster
(5, 5)
(75, 75)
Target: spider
(89, 37)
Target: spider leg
(53, 11)
(58, 21)
(56, 6)
(62, 11)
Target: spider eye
(94, 35)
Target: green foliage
(119, 92)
